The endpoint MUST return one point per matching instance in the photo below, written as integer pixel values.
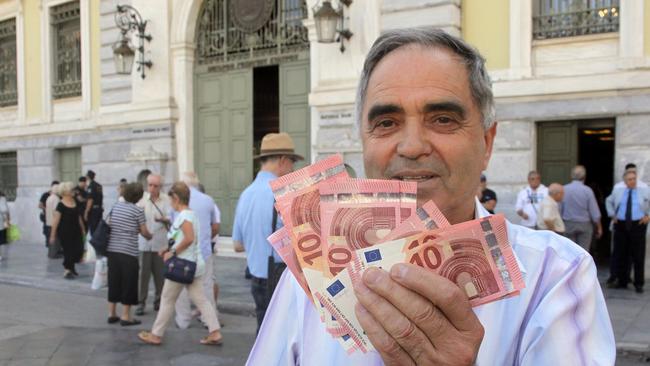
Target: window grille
(220, 41)
(8, 174)
(66, 47)
(568, 18)
(8, 88)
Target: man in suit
(629, 209)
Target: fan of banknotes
(336, 227)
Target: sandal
(211, 342)
(146, 337)
(113, 319)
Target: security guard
(94, 208)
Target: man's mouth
(413, 177)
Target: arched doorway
(251, 77)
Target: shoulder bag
(178, 269)
(100, 236)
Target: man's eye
(386, 123)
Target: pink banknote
(358, 213)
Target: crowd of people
(572, 210)
(147, 228)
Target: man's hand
(238, 246)
(162, 252)
(644, 220)
(414, 317)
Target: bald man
(549, 217)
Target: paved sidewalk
(27, 265)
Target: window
(8, 89)
(66, 50)
(8, 174)
(568, 18)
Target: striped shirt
(125, 222)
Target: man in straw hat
(256, 218)
(426, 114)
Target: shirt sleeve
(570, 322)
(278, 340)
(217, 215)
(141, 219)
(594, 211)
(237, 234)
(59, 207)
(519, 205)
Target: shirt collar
(480, 212)
(265, 174)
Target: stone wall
(112, 154)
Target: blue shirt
(579, 203)
(560, 317)
(637, 214)
(203, 207)
(253, 220)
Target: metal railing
(220, 41)
(576, 22)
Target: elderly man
(580, 210)
(427, 115)
(256, 218)
(549, 217)
(203, 207)
(630, 167)
(156, 207)
(529, 198)
(629, 209)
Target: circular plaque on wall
(251, 15)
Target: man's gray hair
(191, 179)
(479, 80)
(579, 173)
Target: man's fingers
(401, 329)
(444, 294)
(419, 310)
(390, 351)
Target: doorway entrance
(251, 78)
(564, 144)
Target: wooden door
(224, 138)
(294, 106)
(557, 151)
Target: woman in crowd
(68, 227)
(126, 221)
(4, 224)
(184, 233)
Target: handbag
(101, 235)
(178, 269)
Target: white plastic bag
(89, 255)
(101, 274)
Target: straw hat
(278, 144)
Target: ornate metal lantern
(329, 22)
(128, 19)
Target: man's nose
(415, 141)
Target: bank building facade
(571, 81)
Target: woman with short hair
(68, 227)
(126, 221)
(184, 234)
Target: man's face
(630, 180)
(420, 123)
(82, 185)
(153, 186)
(534, 181)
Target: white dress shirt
(559, 318)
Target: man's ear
(490, 135)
